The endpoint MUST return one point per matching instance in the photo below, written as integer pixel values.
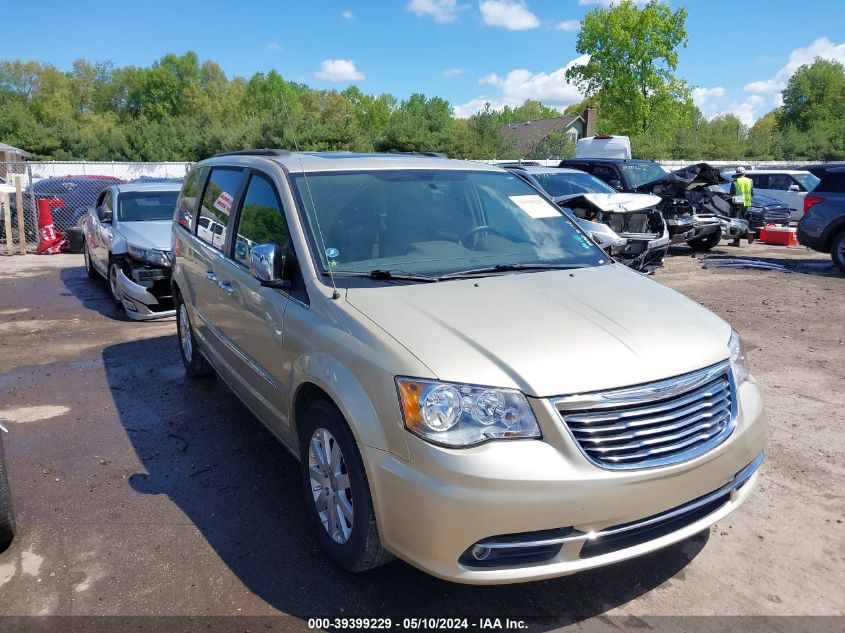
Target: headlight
(150, 255)
(739, 359)
(464, 415)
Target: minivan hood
(148, 234)
(549, 333)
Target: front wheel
(114, 284)
(837, 251)
(703, 244)
(89, 267)
(337, 494)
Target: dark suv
(621, 174)
(823, 226)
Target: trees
(812, 119)
(630, 72)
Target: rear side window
(186, 205)
(761, 181)
(217, 204)
(604, 172)
(261, 220)
(780, 182)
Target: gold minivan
(467, 380)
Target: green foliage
(184, 108)
(630, 73)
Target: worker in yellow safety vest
(743, 187)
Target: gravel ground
(139, 492)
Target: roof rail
(255, 152)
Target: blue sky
(467, 51)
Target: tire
(75, 239)
(7, 515)
(114, 289)
(354, 545)
(193, 360)
(704, 244)
(837, 250)
(89, 267)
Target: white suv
(787, 185)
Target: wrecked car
(696, 210)
(127, 241)
(763, 211)
(626, 225)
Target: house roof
(8, 149)
(526, 133)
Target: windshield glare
(641, 173)
(435, 222)
(571, 184)
(808, 181)
(142, 206)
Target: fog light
(479, 552)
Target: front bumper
(436, 506)
(139, 303)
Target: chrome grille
(655, 424)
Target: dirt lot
(141, 492)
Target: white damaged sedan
(628, 226)
(127, 241)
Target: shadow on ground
(241, 489)
(93, 294)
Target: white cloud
(441, 11)
(272, 47)
(339, 70)
(568, 25)
(713, 101)
(512, 15)
(707, 99)
(347, 15)
(822, 47)
(551, 89)
(749, 110)
(450, 73)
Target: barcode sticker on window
(535, 206)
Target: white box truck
(603, 146)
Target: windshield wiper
(503, 268)
(382, 275)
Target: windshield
(569, 184)
(434, 222)
(640, 173)
(808, 181)
(142, 206)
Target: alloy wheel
(185, 332)
(115, 290)
(330, 486)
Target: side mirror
(794, 188)
(616, 184)
(267, 265)
(103, 214)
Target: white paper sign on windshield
(535, 206)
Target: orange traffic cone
(50, 241)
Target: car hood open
(613, 202)
(149, 234)
(549, 333)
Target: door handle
(225, 286)
(211, 276)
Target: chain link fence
(70, 188)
